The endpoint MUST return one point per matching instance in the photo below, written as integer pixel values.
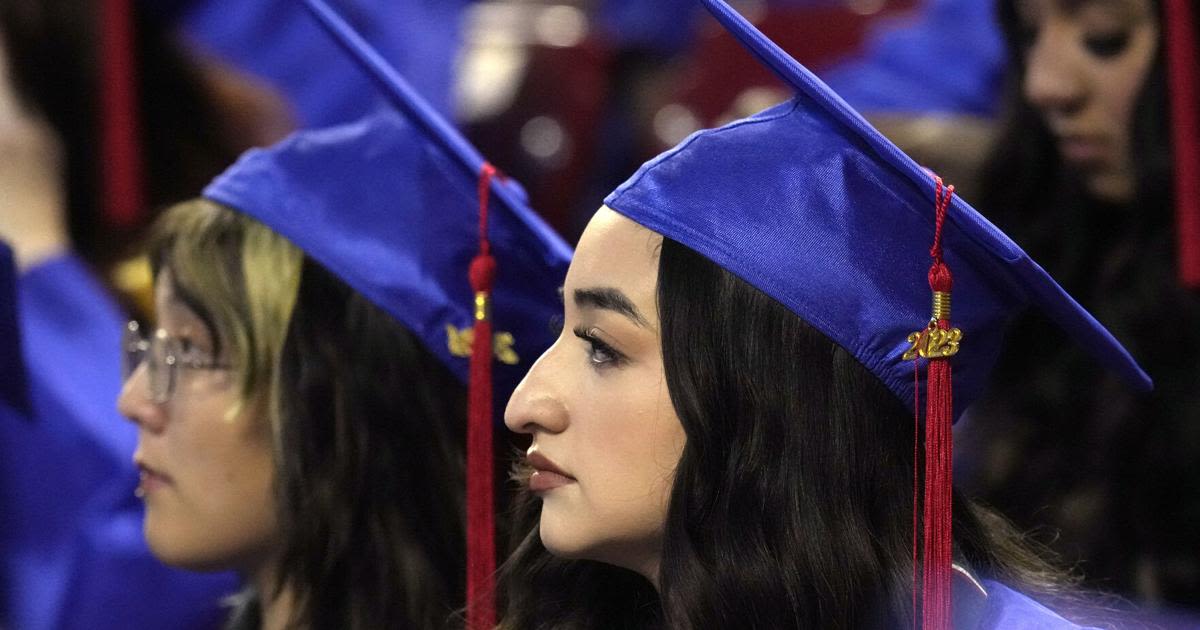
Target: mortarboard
(397, 205)
(392, 214)
(811, 205)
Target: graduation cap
(811, 205)
(397, 205)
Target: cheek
(219, 511)
(625, 450)
(635, 438)
(1121, 82)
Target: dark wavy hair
(792, 501)
(370, 466)
(1058, 441)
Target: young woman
(369, 416)
(1082, 177)
(296, 430)
(56, 216)
(723, 435)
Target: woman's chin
(179, 556)
(561, 543)
(1110, 187)
(185, 551)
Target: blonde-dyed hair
(241, 278)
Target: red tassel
(916, 559)
(481, 538)
(1183, 69)
(120, 153)
(937, 542)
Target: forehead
(616, 252)
(168, 305)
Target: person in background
(71, 554)
(301, 416)
(321, 313)
(1083, 175)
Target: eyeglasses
(166, 356)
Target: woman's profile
(724, 433)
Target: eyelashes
(600, 354)
(1107, 46)
(1100, 45)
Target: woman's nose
(135, 403)
(1055, 82)
(537, 403)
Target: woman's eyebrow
(1072, 6)
(182, 298)
(610, 299)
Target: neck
(275, 607)
(649, 570)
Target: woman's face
(1086, 61)
(597, 406)
(206, 474)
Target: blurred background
(111, 110)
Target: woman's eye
(600, 354)
(191, 354)
(1026, 36)
(188, 350)
(1106, 46)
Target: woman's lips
(546, 474)
(150, 480)
(1084, 150)
(544, 481)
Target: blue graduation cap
(394, 215)
(960, 38)
(13, 389)
(397, 205)
(810, 204)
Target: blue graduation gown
(72, 554)
(1009, 610)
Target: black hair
(792, 501)
(370, 466)
(1115, 475)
